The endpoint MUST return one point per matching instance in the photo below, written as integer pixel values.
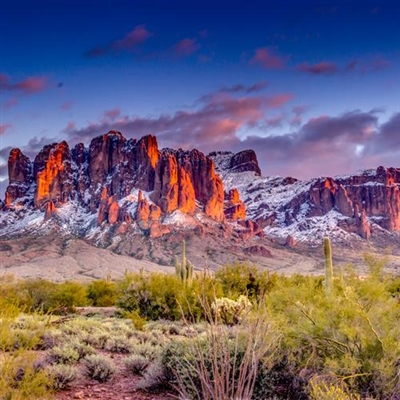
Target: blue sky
(312, 86)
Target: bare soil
(123, 386)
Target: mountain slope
(361, 206)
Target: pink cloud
(32, 84)
(135, 37)
(279, 100)
(267, 59)
(10, 103)
(186, 47)
(4, 127)
(112, 114)
(321, 68)
(67, 105)
(129, 42)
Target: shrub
(69, 295)
(119, 344)
(321, 390)
(137, 364)
(64, 355)
(62, 375)
(154, 378)
(244, 279)
(102, 293)
(223, 364)
(231, 312)
(147, 351)
(99, 368)
(160, 296)
(21, 379)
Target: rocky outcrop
(99, 176)
(234, 208)
(374, 195)
(52, 172)
(244, 161)
(20, 177)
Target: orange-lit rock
(157, 230)
(113, 212)
(186, 193)
(234, 208)
(143, 209)
(53, 173)
(155, 212)
(50, 210)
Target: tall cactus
(328, 266)
(184, 268)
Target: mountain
(130, 198)
(364, 205)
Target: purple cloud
(267, 58)
(112, 114)
(32, 84)
(186, 47)
(321, 68)
(213, 125)
(128, 43)
(238, 88)
(67, 105)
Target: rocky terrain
(125, 204)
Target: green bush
(244, 279)
(349, 334)
(102, 293)
(161, 296)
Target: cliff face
(375, 195)
(109, 170)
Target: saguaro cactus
(184, 268)
(328, 266)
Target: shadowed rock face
(363, 198)
(20, 176)
(368, 195)
(109, 170)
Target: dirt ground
(123, 386)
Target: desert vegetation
(239, 333)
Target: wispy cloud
(321, 68)
(186, 47)
(112, 114)
(268, 59)
(128, 43)
(240, 88)
(376, 63)
(4, 127)
(67, 105)
(32, 84)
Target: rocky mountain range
(132, 198)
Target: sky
(312, 86)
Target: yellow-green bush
(102, 293)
